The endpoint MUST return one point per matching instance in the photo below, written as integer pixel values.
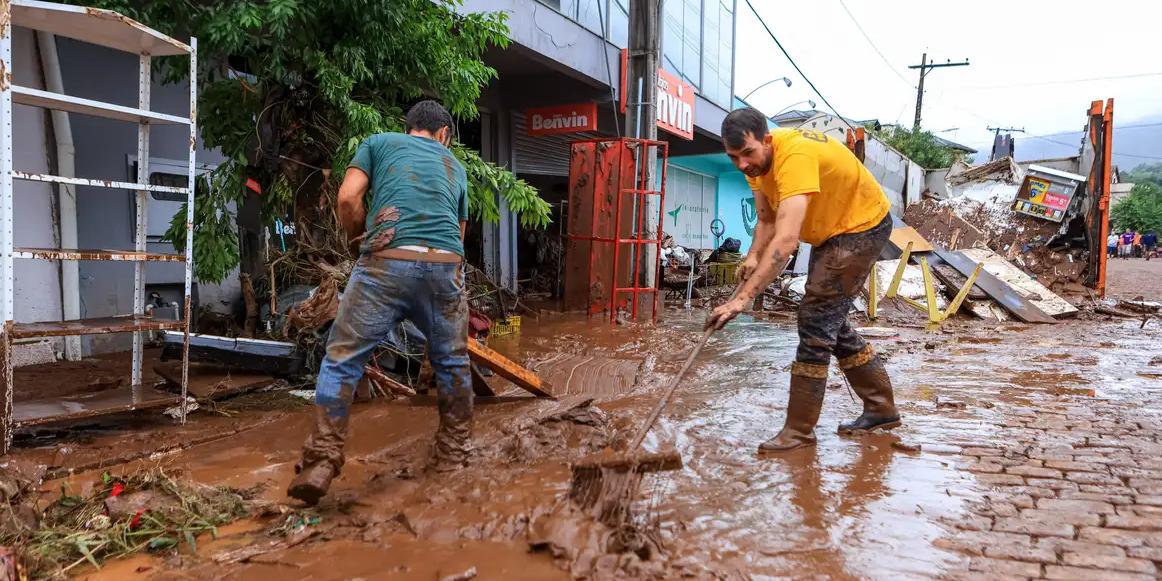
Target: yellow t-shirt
(845, 197)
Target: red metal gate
(605, 259)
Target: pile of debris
(978, 213)
(147, 511)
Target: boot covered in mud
(322, 458)
(808, 383)
(869, 379)
(454, 436)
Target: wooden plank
(431, 400)
(952, 279)
(1027, 286)
(508, 369)
(902, 235)
(97, 326)
(1004, 294)
(89, 405)
(95, 254)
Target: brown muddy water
(870, 507)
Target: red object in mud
(606, 258)
(117, 490)
(136, 520)
(478, 324)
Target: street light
(784, 79)
(808, 101)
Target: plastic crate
(506, 326)
(721, 273)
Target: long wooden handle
(662, 403)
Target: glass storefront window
(697, 38)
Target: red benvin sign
(560, 119)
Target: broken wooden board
(89, 405)
(1027, 286)
(589, 375)
(508, 369)
(902, 235)
(987, 309)
(953, 280)
(425, 400)
(1004, 294)
(911, 283)
(211, 382)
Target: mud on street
(1027, 451)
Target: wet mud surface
(986, 410)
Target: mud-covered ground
(1134, 277)
(1038, 456)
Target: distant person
(1127, 244)
(1149, 243)
(1112, 244)
(1137, 248)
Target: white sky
(1029, 43)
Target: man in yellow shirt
(810, 187)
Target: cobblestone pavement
(1076, 494)
(1071, 476)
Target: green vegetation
(1140, 211)
(920, 146)
(288, 89)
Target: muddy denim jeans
(837, 271)
(380, 294)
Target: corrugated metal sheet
(547, 155)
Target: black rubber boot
(803, 405)
(865, 371)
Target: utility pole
(997, 139)
(925, 67)
(644, 41)
(641, 119)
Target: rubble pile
(978, 213)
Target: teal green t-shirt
(418, 194)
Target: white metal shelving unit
(109, 29)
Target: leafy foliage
(1145, 173)
(1141, 211)
(920, 146)
(289, 88)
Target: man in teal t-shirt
(403, 205)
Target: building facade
(562, 53)
(569, 52)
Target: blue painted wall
(732, 193)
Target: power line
(1062, 81)
(791, 60)
(873, 45)
(1078, 145)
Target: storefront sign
(562, 119)
(675, 105)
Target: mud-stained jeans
(379, 295)
(837, 271)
